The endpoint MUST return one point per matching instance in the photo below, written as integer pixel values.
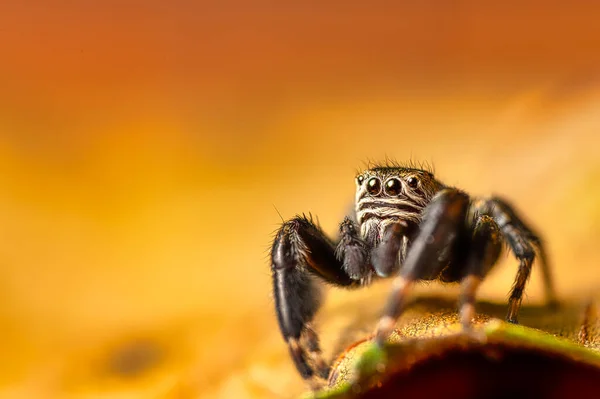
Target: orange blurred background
(145, 145)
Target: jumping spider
(409, 225)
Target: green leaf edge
(494, 329)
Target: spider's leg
(484, 248)
(301, 255)
(590, 318)
(523, 243)
(431, 250)
(550, 290)
(314, 350)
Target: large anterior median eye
(393, 187)
(374, 186)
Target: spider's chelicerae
(406, 224)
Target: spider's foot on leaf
(385, 327)
(320, 365)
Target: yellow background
(145, 147)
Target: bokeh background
(146, 148)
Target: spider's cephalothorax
(407, 224)
(387, 196)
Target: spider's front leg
(431, 250)
(301, 255)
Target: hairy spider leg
(431, 250)
(301, 256)
(523, 243)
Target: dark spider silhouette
(409, 225)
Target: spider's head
(388, 194)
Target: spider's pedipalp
(352, 251)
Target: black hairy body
(406, 224)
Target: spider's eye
(374, 186)
(413, 182)
(360, 179)
(393, 187)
